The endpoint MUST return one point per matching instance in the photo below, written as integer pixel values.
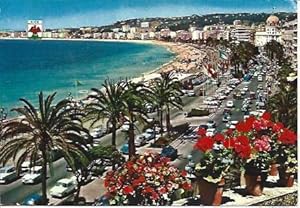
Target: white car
(97, 133)
(149, 134)
(234, 122)
(245, 88)
(259, 78)
(211, 132)
(33, 176)
(63, 187)
(140, 140)
(125, 126)
(191, 93)
(8, 174)
(229, 104)
(25, 166)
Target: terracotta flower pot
(211, 193)
(255, 183)
(285, 179)
(273, 170)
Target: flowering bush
(145, 180)
(258, 141)
(216, 159)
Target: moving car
(229, 104)
(226, 117)
(211, 124)
(33, 176)
(63, 187)
(169, 152)
(149, 134)
(8, 174)
(140, 140)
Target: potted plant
(251, 142)
(210, 170)
(286, 154)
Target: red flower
(277, 127)
(219, 137)
(128, 190)
(106, 182)
(162, 190)
(229, 132)
(148, 189)
(186, 186)
(243, 151)
(287, 137)
(204, 144)
(242, 140)
(229, 143)
(250, 120)
(154, 196)
(266, 115)
(183, 173)
(112, 189)
(201, 132)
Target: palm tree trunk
(76, 197)
(168, 124)
(161, 121)
(131, 145)
(44, 177)
(113, 134)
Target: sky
(75, 13)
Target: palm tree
(134, 100)
(39, 131)
(108, 104)
(166, 92)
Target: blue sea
(28, 66)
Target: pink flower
(262, 144)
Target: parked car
(125, 126)
(211, 124)
(140, 140)
(33, 199)
(191, 93)
(125, 149)
(229, 104)
(63, 188)
(260, 78)
(8, 174)
(33, 176)
(204, 126)
(169, 152)
(190, 135)
(97, 133)
(25, 166)
(149, 134)
(211, 132)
